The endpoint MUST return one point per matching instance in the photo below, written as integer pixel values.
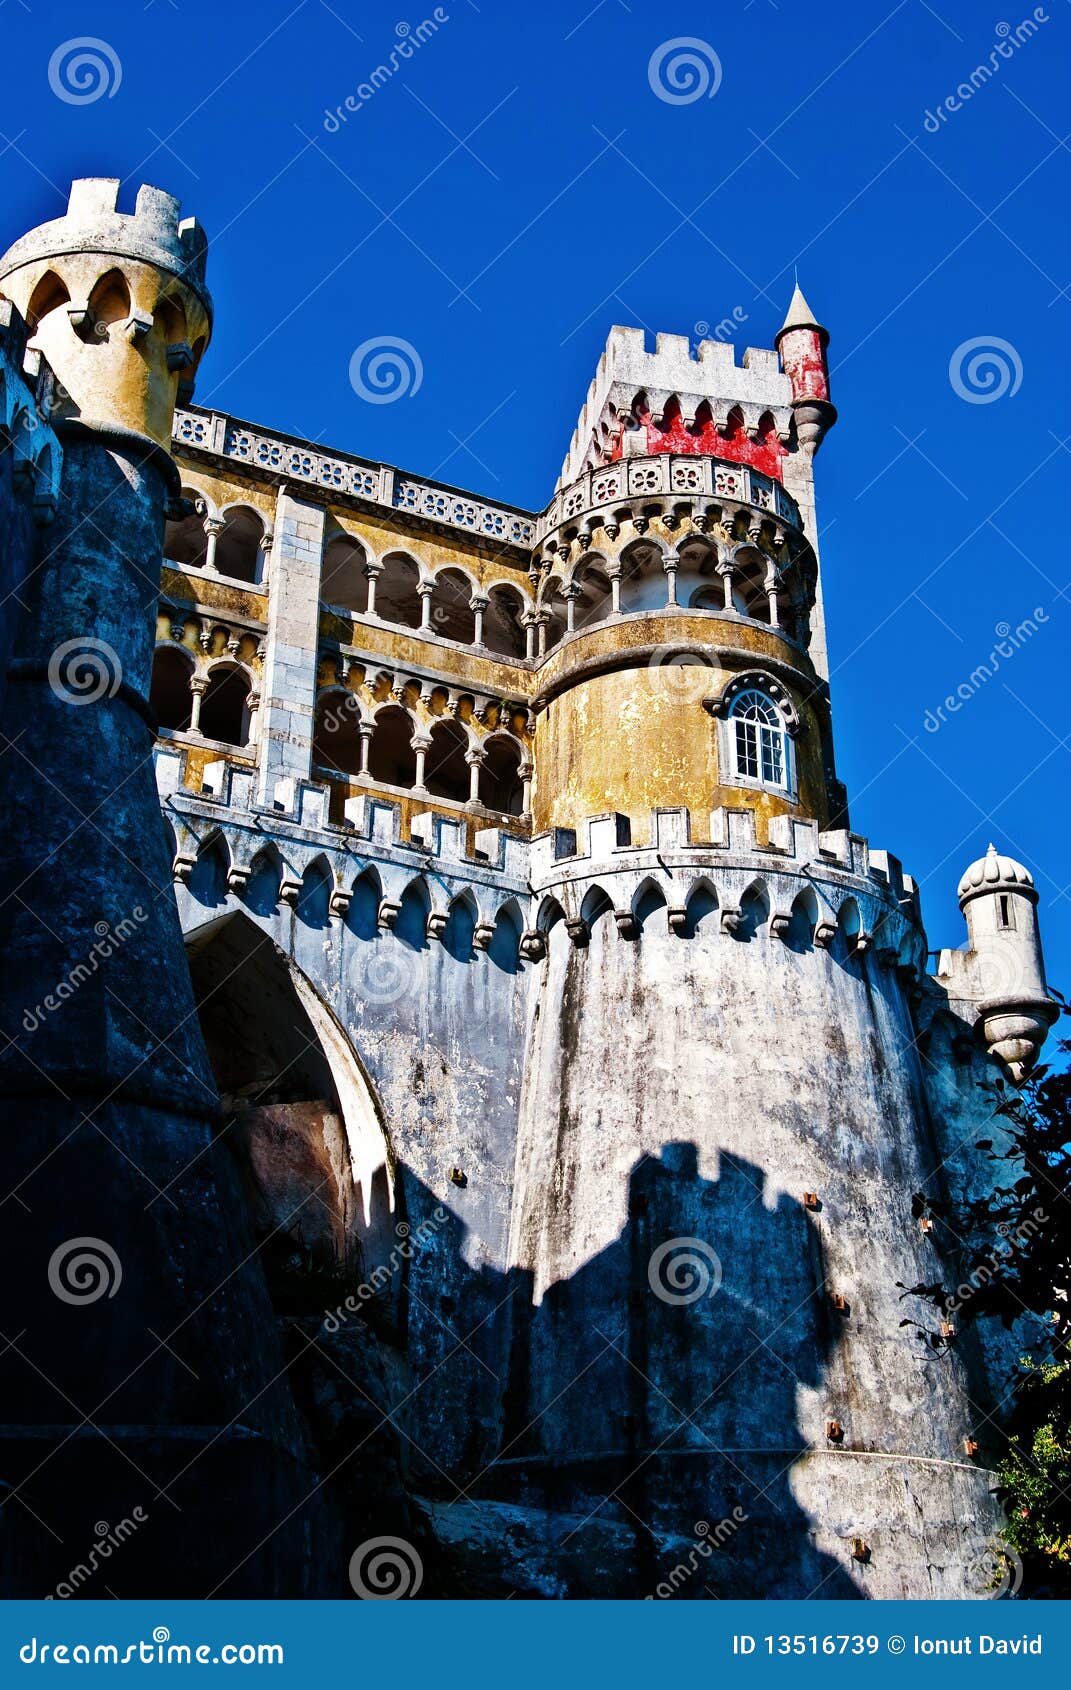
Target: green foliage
(1012, 1248)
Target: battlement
(626, 369)
(153, 234)
(804, 886)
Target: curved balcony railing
(664, 475)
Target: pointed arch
(411, 926)
(362, 917)
(596, 907)
(803, 918)
(505, 946)
(701, 907)
(109, 303)
(49, 293)
(458, 934)
(649, 906)
(314, 898)
(754, 911)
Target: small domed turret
(999, 901)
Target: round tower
(138, 1295)
(999, 902)
(685, 572)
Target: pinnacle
(800, 315)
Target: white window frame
(772, 738)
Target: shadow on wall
(640, 1420)
(648, 1403)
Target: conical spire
(800, 315)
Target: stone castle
(467, 1083)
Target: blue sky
(518, 186)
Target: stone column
(570, 594)
(526, 771)
(475, 761)
(477, 604)
(425, 589)
(614, 573)
(365, 731)
(671, 563)
(421, 744)
(528, 623)
(288, 689)
(725, 570)
(198, 688)
(214, 527)
(372, 573)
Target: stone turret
(140, 1303)
(802, 344)
(1003, 970)
(117, 303)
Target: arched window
(225, 705)
(761, 748)
(169, 692)
(343, 582)
(336, 742)
(501, 787)
(446, 772)
(239, 547)
(391, 758)
(185, 541)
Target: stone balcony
(701, 487)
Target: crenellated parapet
(812, 890)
